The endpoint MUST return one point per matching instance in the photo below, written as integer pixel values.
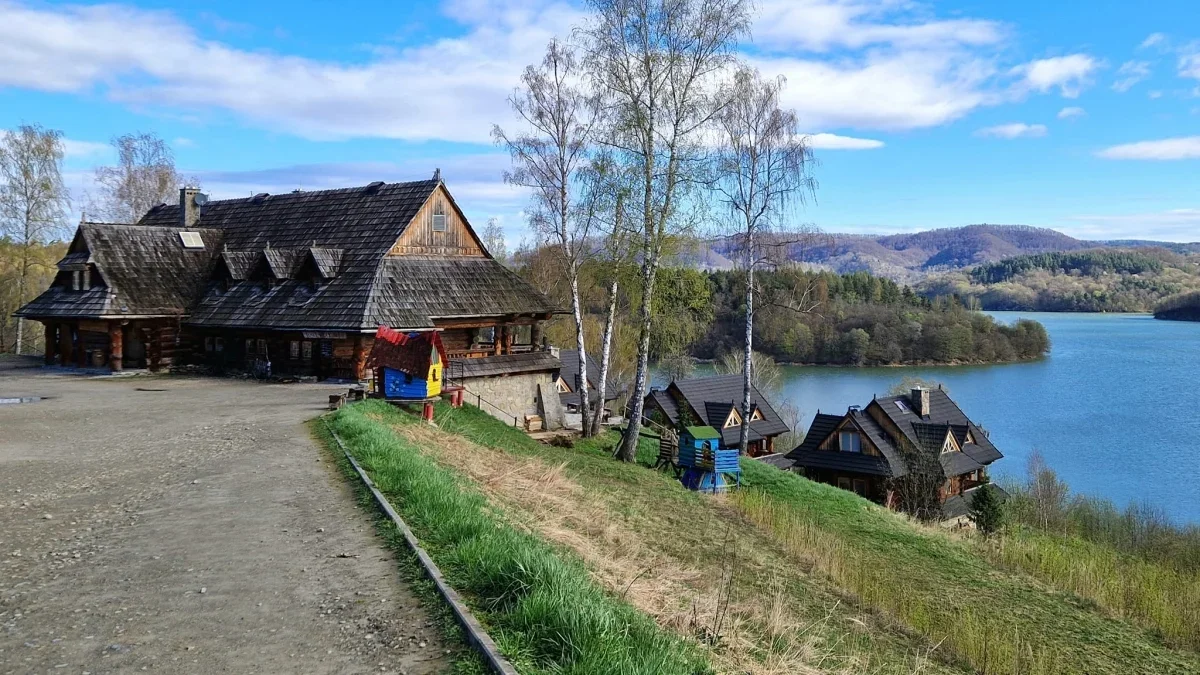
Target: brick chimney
(189, 210)
(920, 401)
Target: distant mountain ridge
(913, 256)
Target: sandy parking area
(188, 525)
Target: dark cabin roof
(146, 272)
(808, 454)
(346, 234)
(960, 505)
(711, 399)
(569, 371)
(927, 433)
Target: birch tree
(761, 169)
(143, 178)
(493, 240)
(33, 199)
(658, 61)
(549, 157)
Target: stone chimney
(920, 401)
(189, 210)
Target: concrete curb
(476, 634)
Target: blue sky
(1084, 117)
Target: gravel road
(188, 525)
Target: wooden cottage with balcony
(867, 448)
(297, 284)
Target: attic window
(756, 415)
(902, 407)
(439, 218)
(734, 419)
(191, 239)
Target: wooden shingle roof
(146, 271)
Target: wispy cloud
(80, 149)
(1153, 40)
(836, 142)
(1071, 112)
(1189, 61)
(1167, 149)
(1129, 74)
(1013, 130)
(1182, 225)
(1069, 74)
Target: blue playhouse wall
(397, 384)
(709, 469)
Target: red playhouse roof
(407, 352)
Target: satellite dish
(201, 199)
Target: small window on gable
(850, 441)
(439, 217)
(191, 239)
(756, 415)
(734, 419)
(563, 387)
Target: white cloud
(883, 91)
(836, 142)
(909, 71)
(1189, 61)
(1182, 225)
(80, 149)
(1129, 74)
(1154, 94)
(824, 25)
(182, 142)
(453, 88)
(1069, 74)
(1013, 130)
(1071, 112)
(1152, 40)
(1183, 147)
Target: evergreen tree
(986, 511)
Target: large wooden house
(866, 448)
(717, 402)
(296, 284)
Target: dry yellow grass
(698, 601)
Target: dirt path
(188, 525)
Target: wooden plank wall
(421, 239)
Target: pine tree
(986, 510)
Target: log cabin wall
(420, 238)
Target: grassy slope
(942, 587)
(769, 569)
(541, 608)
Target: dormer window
(734, 419)
(77, 280)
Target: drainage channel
(14, 400)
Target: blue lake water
(1114, 409)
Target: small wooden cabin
(407, 365)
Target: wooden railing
(478, 353)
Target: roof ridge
(353, 188)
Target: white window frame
(849, 433)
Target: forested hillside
(1180, 307)
(1095, 280)
(41, 271)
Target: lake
(1114, 409)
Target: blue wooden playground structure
(705, 465)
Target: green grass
(945, 589)
(540, 605)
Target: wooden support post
(51, 343)
(535, 334)
(154, 347)
(116, 345)
(360, 358)
(498, 339)
(80, 352)
(64, 344)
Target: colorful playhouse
(706, 467)
(408, 366)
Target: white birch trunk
(605, 352)
(584, 400)
(748, 363)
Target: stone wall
(508, 396)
